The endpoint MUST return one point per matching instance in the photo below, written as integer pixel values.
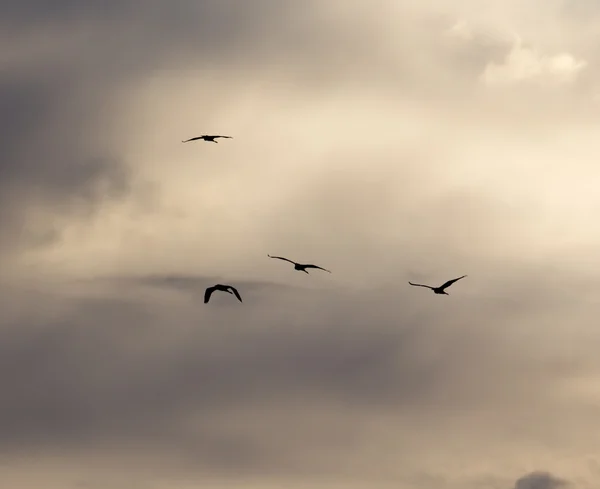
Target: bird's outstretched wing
(421, 285)
(450, 282)
(282, 258)
(193, 139)
(235, 292)
(315, 266)
(207, 293)
(228, 137)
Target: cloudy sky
(385, 140)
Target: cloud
(246, 389)
(66, 80)
(524, 64)
(47, 159)
(540, 480)
(61, 84)
(55, 158)
(365, 142)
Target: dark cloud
(540, 480)
(59, 156)
(47, 165)
(46, 12)
(83, 377)
(121, 364)
(193, 283)
(55, 159)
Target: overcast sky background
(384, 140)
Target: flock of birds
(301, 267)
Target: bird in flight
(299, 266)
(440, 289)
(207, 138)
(222, 288)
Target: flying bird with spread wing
(440, 289)
(299, 266)
(222, 288)
(207, 138)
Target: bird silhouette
(206, 138)
(440, 289)
(299, 266)
(222, 288)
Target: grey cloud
(128, 366)
(83, 376)
(540, 480)
(53, 159)
(58, 154)
(47, 12)
(200, 28)
(46, 164)
(193, 283)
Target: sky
(386, 141)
